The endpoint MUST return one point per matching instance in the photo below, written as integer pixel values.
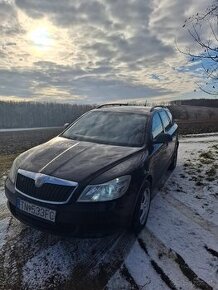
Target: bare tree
(203, 29)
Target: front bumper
(73, 218)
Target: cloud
(9, 24)
(101, 50)
(48, 80)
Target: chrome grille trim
(47, 179)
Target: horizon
(134, 103)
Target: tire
(142, 208)
(174, 161)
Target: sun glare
(41, 38)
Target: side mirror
(66, 125)
(163, 138)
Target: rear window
(165, 119)
(157, 127)
(170, 116)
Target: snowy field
(178, 249)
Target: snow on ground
(2, 197)
(195, 182)
(3, 231)
(169, 226)
(178, 249)
(52, 262)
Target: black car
(97, 176)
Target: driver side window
(157, 126)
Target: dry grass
(207, 157)
(203, 168)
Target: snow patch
(138, 265)
(189, 182)
(118, 282)
(185, 237)
(2, 195)
(3, 231)
(50, 266)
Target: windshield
(114, 128)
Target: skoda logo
(39, 181)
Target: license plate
(39, 211)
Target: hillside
(213, 103)
(187, 112)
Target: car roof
(129, 109)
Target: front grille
(46, 192)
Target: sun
(41, 38)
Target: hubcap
(144, 207)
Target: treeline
(198, 102)
(35, 114)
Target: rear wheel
(142, 208)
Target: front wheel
(142, 208)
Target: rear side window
(170, 116)
(165, 119)
(157, 127)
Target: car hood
(74, 160)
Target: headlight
(106, 191)
(14, 168)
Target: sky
(97, 51)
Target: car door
(169, 129)
(157, 152)
(173, 131)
